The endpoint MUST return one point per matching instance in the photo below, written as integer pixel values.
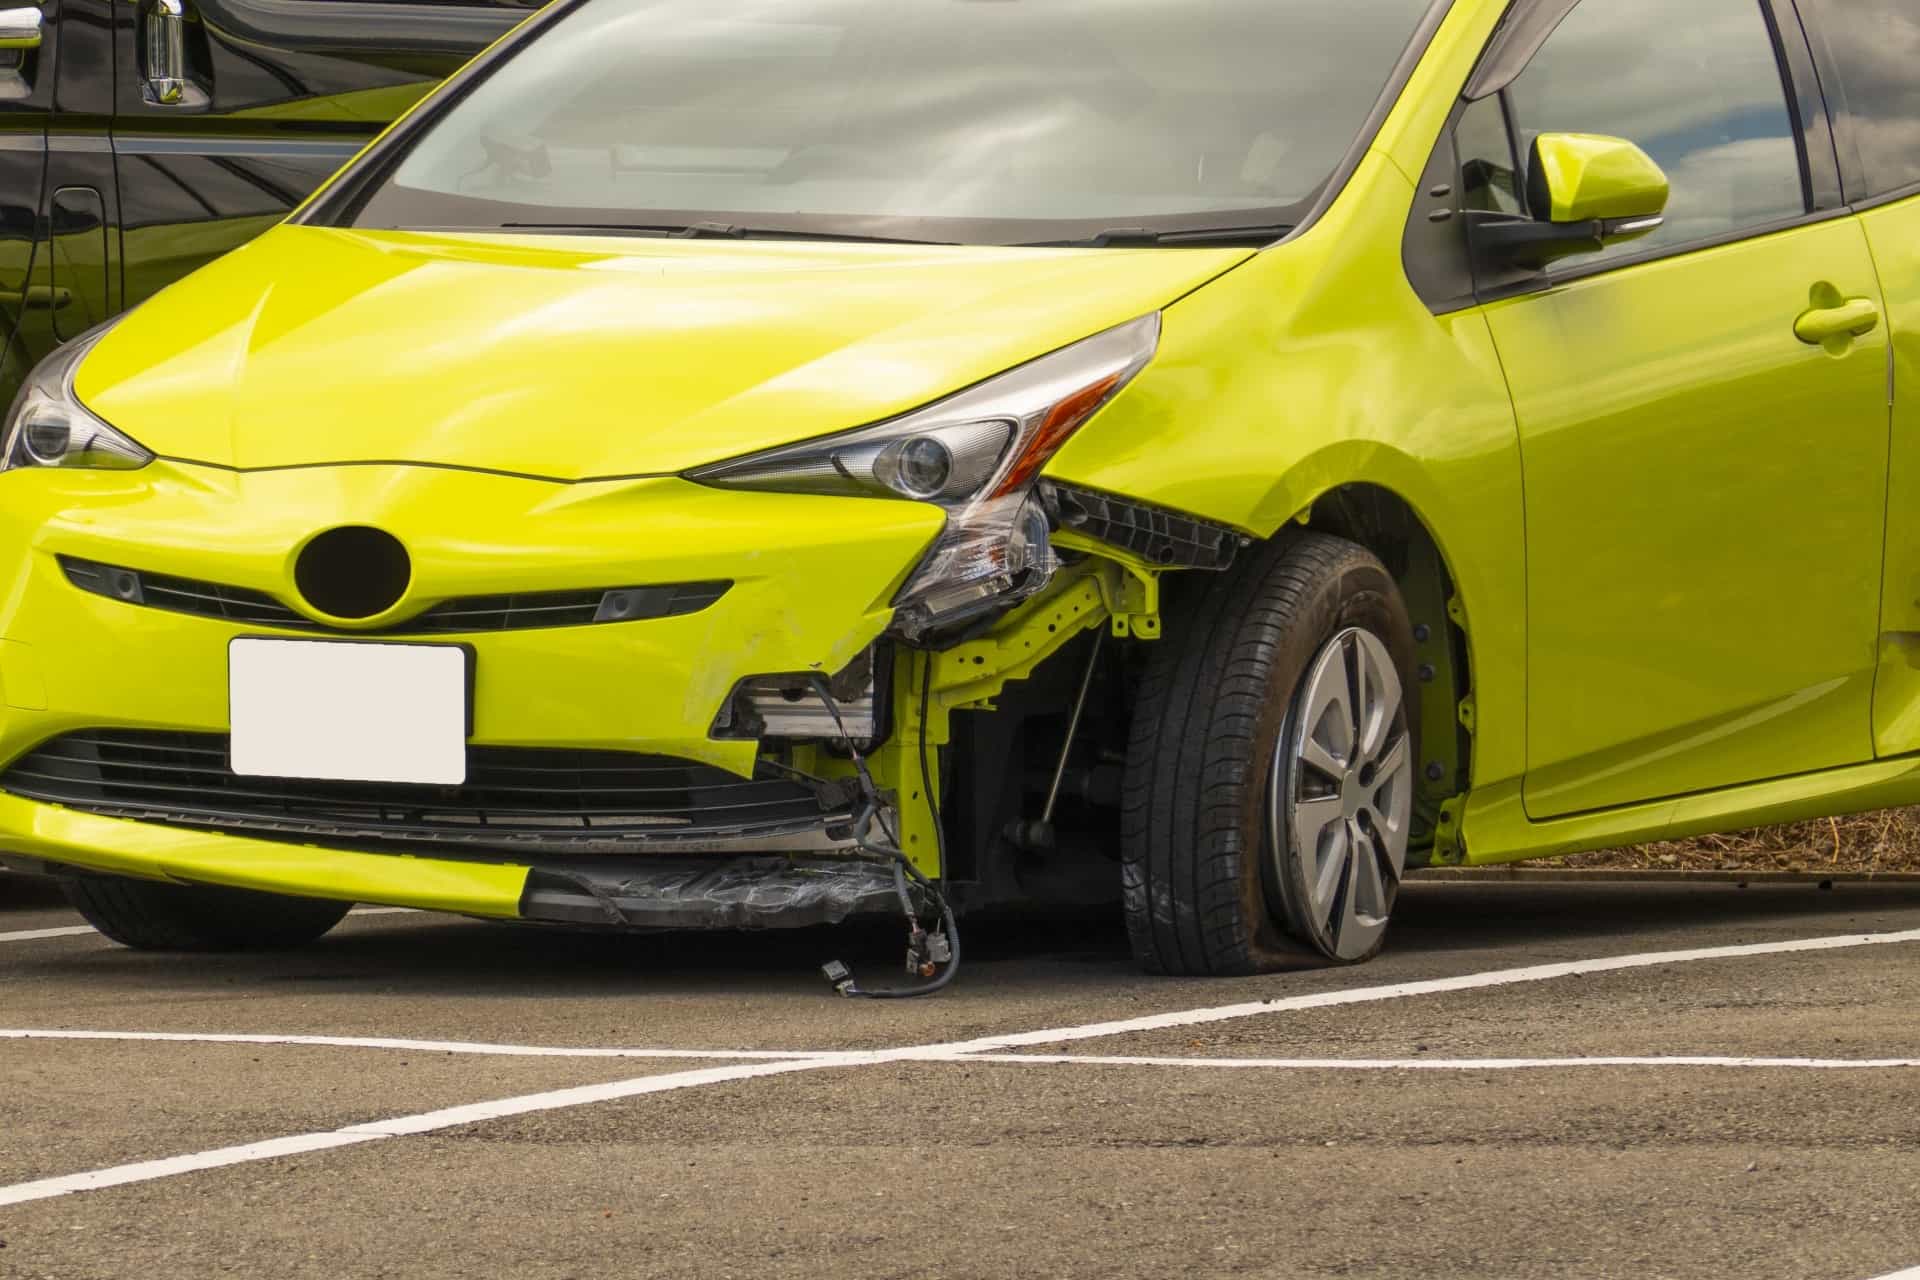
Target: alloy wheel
(1340, 798)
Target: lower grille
(515, 800)
(182, 595)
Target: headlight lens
(49, 427)
(976, 455)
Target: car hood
(576, 358)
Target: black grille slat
(183, 595)
(134, 744)
(621, 799)
(481, 799)
(576, 607)
(70, 750)
(47, 756)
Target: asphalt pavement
(1564, 1080)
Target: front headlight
(975, 455)
(49, 427)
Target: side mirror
(1586, 192)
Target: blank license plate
(349, 711)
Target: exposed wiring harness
(936, 955)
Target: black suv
(140, 139)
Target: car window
(1873, 48)
(917, 118)
(1697, 85)
(1488, 182)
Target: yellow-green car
(738, 465)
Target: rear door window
(1872, 51)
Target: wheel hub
(1342, 794)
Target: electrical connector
(840, 976)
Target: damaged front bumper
(590, 740)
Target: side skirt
(1495, 827)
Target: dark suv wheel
(152, 916)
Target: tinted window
(1873, 48)
(1697, 85)
(1487, 177)
(928, 115)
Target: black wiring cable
(903, 868)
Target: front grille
(182, 595)
(568, 608)
(524, 611)
(515, 800)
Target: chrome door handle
(163, 43)
(19, 28)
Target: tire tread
(1193, 765)
(155, 916)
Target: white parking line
(1432, 986)
(846, 1057)
(1911, 1273)
(46, 1188)
(380, 1130)
(1435, 1064)
(34, 935)
(428, 1046)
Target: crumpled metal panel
(709, 893)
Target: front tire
(1270, 773)
(150, 915)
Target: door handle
(1839, 323)
(19, 28)
(38, 297)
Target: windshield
(983, 121)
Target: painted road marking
(84, 930)
(855, 1056)
(1435, 1064)
(380, 1130)
(428, 1046)
(1397, 991)
(34, 935)
(46, 1188)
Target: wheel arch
(1384, 522)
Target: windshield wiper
(704, 231)
(1123, 237)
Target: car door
(1867, 51)
(29, 40)
(1705, 490)
(230, 112)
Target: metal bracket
(1134, 602)
(971, 674)
(1129, 586)
(1448, 850)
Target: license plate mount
(349, 710)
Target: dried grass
(1865, 843)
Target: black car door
(29, 41)
(228, 113)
